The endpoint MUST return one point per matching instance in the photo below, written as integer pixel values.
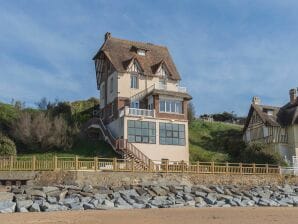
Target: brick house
(141, 101)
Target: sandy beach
(168, 216)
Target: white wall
(157, 151)
(117, 127)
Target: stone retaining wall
(127, 178)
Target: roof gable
(121, 51)
(271, 120)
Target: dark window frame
(172, 134)
(141, 132)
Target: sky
(226, 51)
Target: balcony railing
(139, 112)
(170, 87)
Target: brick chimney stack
(256, 100)
(293, 95)
(107, 35)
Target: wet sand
(160, 216)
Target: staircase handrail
(136, 152)
(147, 90)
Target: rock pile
(62, 197)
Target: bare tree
(42, 132)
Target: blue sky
(226, 50)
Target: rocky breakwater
(62, 197)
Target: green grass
(213, 141)
(83, 148)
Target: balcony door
(135, 104)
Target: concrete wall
(117, 127)
(157, 151)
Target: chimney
(107, 35)
(256, 100)
(293, 96)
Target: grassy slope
(209, 141)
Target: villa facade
(275, 126)
(141, 100)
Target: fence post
(33, 162)
(10, 162)
(76, 162)
(55, 162)
(267, 168)
(133, 165)
(150, 165)
(212, 167)
(115, 164)
(182, 163)
(279, 170)
(240, 165)
(167, 165)
(227, 167)
(198, 166)
(254, 168)
(95, 163)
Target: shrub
(41, 132)
(7, 146)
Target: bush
(41, 132)
(7, 146)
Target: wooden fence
(114, 164)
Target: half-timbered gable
(277, 126)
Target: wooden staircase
(127, 150)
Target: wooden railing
(112, 164)
(127, 147)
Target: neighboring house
(141, 100)
(275, 126)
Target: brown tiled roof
(282, 116)
(120, 52)
(171, 93)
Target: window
(150, 103)
(111, 84)
(134, 81)
(170, 106)
(141, 131)
(141, 52)
(171, 134)
(135, 104)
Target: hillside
(220, 142)
(214, 141)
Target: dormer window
(268, 112)
(141, 52)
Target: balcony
(174, 88)
(128, 111)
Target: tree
(42, 104)
(43, 132)
(7, 146)
(191, 114)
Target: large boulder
(36, 193)
(6, 196)
(159, 191)
(23, 204)
(7, 206)
(34, 208)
